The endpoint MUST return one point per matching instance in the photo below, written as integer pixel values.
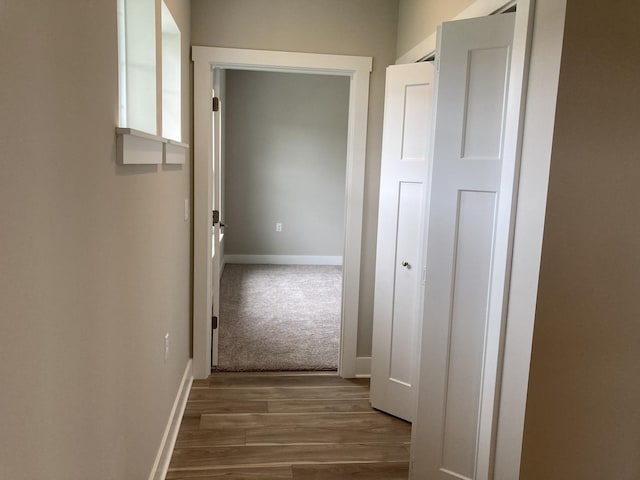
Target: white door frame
(535, 157)
(358, 69)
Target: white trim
(268, 60)
(283, 259)
(163, 458)
(122, 64)
(363, 367)
(135, 147)
(480, 8)
(138, 150)
(122, 131)
(358, 69)
(177, 143)
(539, 120)
(202, 219)
(175, 153)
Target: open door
(400, 252)
(472, 195)
(216, 192)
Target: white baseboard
(363, 367)
(284, 259)
(161, 465)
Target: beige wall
(286, 152)
(418, 19)
(349, 27)
(94, 257)
(583, 414)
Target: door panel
(472, 254)
(416, 118)
(484, 109)
(403, 193)
(467, 167)
(407, 283)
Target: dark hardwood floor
(294, 426)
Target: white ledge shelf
(134, 147)
(175, 153)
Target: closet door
(400, 255)
(460, 341)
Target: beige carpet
(279, 317)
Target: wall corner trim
(161, 464)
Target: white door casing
(406, 147)
(538, 129)
(476, 147)
(358, 69)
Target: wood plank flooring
(293, 426)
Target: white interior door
(216, 233)
(453, 432)
(400, 251)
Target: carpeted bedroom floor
(279, 317)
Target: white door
(216, 231)
(400, 251)
(453, 432)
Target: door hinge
(215, 104)
(214, 323)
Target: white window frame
(140, 78)
(171, 76)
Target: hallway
(310, 426)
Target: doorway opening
(282, 183)
(207, 61)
